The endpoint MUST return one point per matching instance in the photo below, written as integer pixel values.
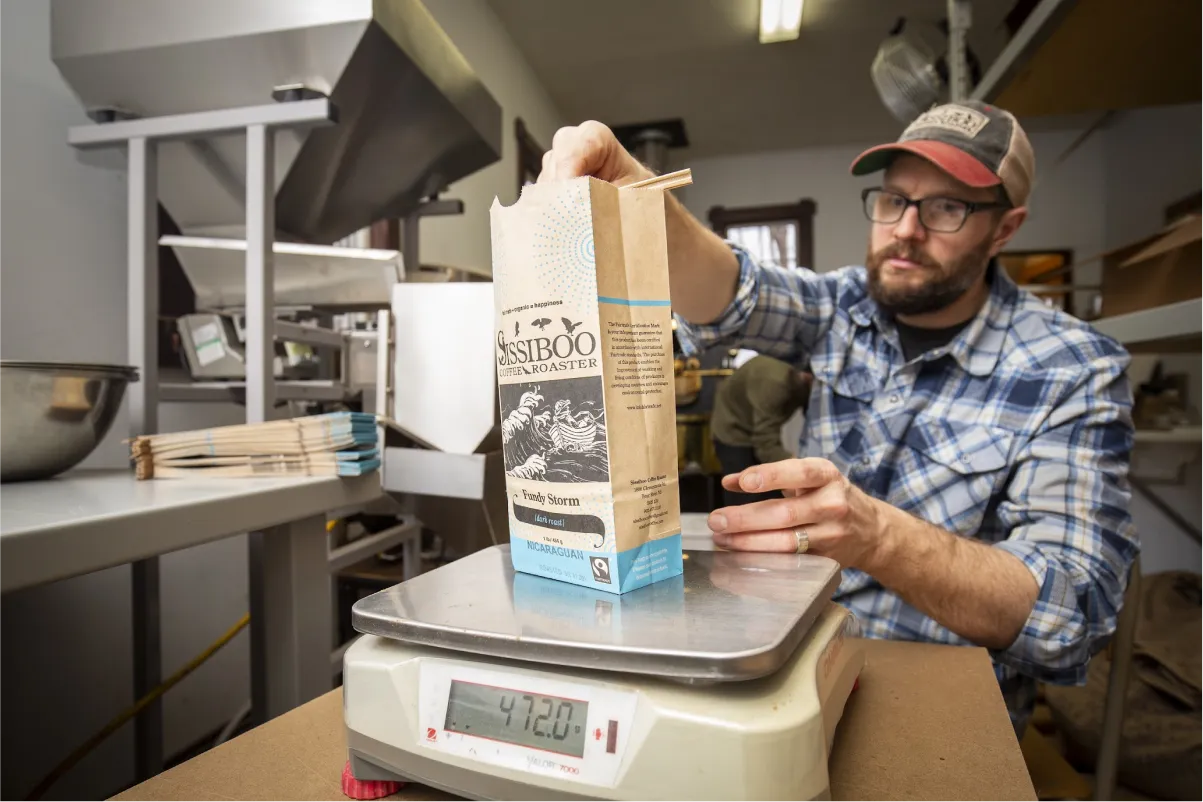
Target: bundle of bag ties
(335, 444)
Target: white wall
(63, 297)
(1112, 189)
(475, 29)
(66, 646)
(1152, 158)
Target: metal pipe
(959, 20)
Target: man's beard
(942, 285)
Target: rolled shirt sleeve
(1067, 508)
(776, 311)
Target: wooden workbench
(927, 722)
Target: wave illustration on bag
(555, 431)
(585, 384)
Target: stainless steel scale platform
(724, 683)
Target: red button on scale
(597, 734)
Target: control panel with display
(527, 721)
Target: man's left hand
(840, 521)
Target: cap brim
(952, 160)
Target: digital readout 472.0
(538, 721)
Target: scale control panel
(542, 725)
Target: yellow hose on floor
(125, 715)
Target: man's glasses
(943, 215)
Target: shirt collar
(978, 347)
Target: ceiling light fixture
(780, 20)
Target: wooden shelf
(1185, 434)
(1084, 56)
(1173, 328)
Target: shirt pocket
(838, 403)
(952, 472)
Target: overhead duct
(651, 149)
(412, 115)
(650, 142)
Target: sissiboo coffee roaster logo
(548, 351)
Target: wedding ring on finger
(801, 541)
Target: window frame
(801, 214)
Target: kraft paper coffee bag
(585, 379)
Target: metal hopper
(412, 115)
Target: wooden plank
(1112, 55)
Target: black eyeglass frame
(971, 207)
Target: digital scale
(726, 682)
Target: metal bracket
(140, 137)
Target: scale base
(768, 738)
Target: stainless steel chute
(412, 115)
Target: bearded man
(966, 447)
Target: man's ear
(1010, 222)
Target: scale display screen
(535, 720)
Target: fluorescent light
(780, 20)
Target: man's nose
(909, 226)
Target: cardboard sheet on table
(927, 722)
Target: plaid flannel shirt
(1017, 434)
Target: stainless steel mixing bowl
(53, 414)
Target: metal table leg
(142, 254)
(411, 555)
(1107, 766)
(148, 668)
(290, 616)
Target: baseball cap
(978, 144)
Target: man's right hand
(590, 149)
(703, 271)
